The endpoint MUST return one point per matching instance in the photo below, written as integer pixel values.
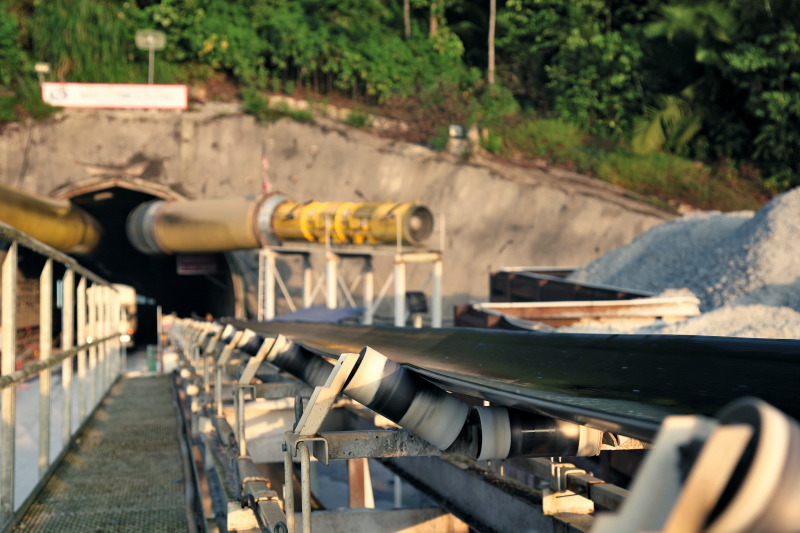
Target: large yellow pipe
(56, 223)
(223, 224)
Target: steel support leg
(436, 296)
(369, 291)
(308, 282)
(45, 351)
(331, 279)
(9, 394)
(399, 292)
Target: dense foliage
(704, 80)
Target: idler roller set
(430, 412)
(505, 432)
(406, 399)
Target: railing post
(82, 354)
(45, 351)
(100, 371)
(91, 297)
(67, 342)
(9, 321)
(107, 345)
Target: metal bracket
(324, 397)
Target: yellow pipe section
(352, 223)
(56, 223)
(223, 224)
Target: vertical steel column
(45, 351)
(260, 293)
(369, 291)
(308, 281)
(399, 291)
(269, 284)
(359, 484)
(436, 296)
(81, 297)
(9, 394)
(91, 297)
(67, 342)
(288, 487)
(240, 422)
(331, 277)
(305, 484)
(398, 492)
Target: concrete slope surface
(495, 215)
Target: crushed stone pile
(744, 267)
(724, 259)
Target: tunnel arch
(155, 277)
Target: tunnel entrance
(155, 278)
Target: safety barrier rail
(90, 313)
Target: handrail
(90, 305)
(10, 233)
(31, 369)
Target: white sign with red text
(115, 95)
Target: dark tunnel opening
(155, 278)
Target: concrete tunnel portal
(154, 277)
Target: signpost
(151, 40)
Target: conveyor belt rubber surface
(621, 383)
(124, 472)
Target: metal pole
(109, 329)
(102, 358)
(67, 342)
(9, 394)
(305, 484)
(398, 492)
(399, 291)
(307, 281)
(240, 423)
(45, 351)
(288, 487)
(330, 280)
(160, 347)
(261, 281)
(91, 297)
(82, 354)
(269, 280)
(436, 297)
(152, 60)
(369, 291)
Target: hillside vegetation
(692, 102)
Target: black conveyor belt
(620, 383)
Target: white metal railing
(95, 304)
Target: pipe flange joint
(264, 219)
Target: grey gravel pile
(724, 259)
(744, 268)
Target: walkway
(124, 473)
